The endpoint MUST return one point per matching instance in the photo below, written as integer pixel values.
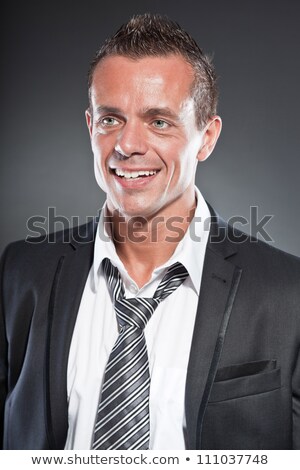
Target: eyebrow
(108, 109)
(167, 112)
(147, 112)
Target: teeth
(134, 174)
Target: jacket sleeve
(3, 351)
(296, 404)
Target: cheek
(183, 167)
(99, 174)
(101, 151)
(169, 152)
(101, 148)
(181, 158)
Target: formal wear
(96, 331)
(243, 374)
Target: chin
(129, 213)
(137, 211)
(133, 208)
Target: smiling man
(146, 142)
(173, 331)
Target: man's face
(144, 135)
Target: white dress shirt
(168, 336)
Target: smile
(134, 174)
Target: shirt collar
(190, 251)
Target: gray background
(45, 153)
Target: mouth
(135, 180)
(134, 174)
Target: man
(215, 362)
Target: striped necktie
(122, 420)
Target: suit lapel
(219, 285)
(70, 278)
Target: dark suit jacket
(243, 378)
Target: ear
(89, 121)
(211, 134)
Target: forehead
(155, 80)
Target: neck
(143, 244)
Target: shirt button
(133, 289)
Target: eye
(160, 124)
(109, 122)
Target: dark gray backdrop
(46, 159)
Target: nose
(132, 139)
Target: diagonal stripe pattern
(122, 420)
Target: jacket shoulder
(261, 251)
(26, 255)
(265, 265)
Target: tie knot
(135, 312)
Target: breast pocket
(246, 408)
(241, 380)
